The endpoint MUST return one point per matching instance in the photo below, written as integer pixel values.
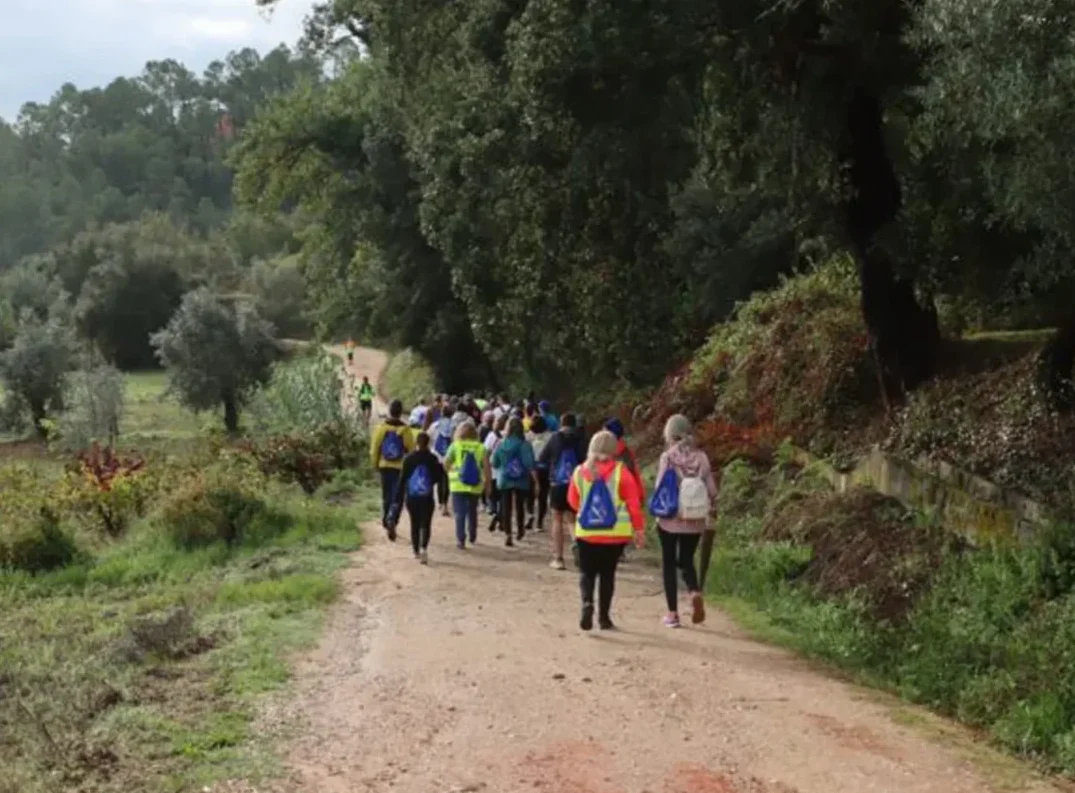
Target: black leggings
(677, 553)
(598, 560)
(421, 512)
(540, 497)
(442, 490)
(512, 499)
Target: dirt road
(471, 675)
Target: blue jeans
(389, 480)
(465, 507)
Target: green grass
(174, 716)
(153, 414)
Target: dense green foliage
(583, 192)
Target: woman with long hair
(514, 464)
(685, 478)
(607, 502)
(468, 477)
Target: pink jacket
(687, 460)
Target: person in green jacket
(469, 475)
(365, 399)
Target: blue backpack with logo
(442, 444)
(598, 509)
(392, 448)
(566, 464)
(470, 474)
(420, 485)
(515, 469)
(664, 503)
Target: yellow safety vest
(624, 527)
(456, 454)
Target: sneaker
(671, 621)
(605, 623)
(392, 534)
(509, 542)
(494, 524)
(557, 564)
(586, 620)
(698, 606)
(474, 538)
(417, 555)
(424, 558)
(446, 512)
(530, 523)
(522, 533)
(462, 546)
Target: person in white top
(441, 433)
(492, 440)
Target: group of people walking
(533, 470)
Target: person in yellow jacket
(391, 442)
(469, 476)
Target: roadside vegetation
(162, 582)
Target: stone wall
(968, 504)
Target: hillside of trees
(557, 194)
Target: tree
(35, 369)
(214, 352)
(279, 292)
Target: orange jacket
(630, 494)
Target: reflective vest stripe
(623, 527)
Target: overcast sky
(46, 43)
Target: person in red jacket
(602, 536)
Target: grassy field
(140, 665)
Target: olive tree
(214, 351)
(34, 370)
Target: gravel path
(471, 675)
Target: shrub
(302, 395)
(409, 378)
(791, 362)
(224, 503)
(32, 538)
(107, 489)
(294, 459)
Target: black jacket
(564, 439)
(411, 462)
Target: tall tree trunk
(231, 414)
(1056, 367)
(903, 334)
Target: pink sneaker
(671, 621)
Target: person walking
(561, 455)
(468, 476)
(492, 440)
(607, 500)
(441, 434)
(422, 471)
(391, 442)
(626, 456)
(552, 421)
(538, 501)
(683, 503)
(513, 460)
(365, 399)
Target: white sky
(46, 43)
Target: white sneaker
(557, 564)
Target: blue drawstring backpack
(515, 469)
(598, 510)
(469, 473)
(664, 503)
(420, 485)
(442, 444)
(392, 447)
(566, 464)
